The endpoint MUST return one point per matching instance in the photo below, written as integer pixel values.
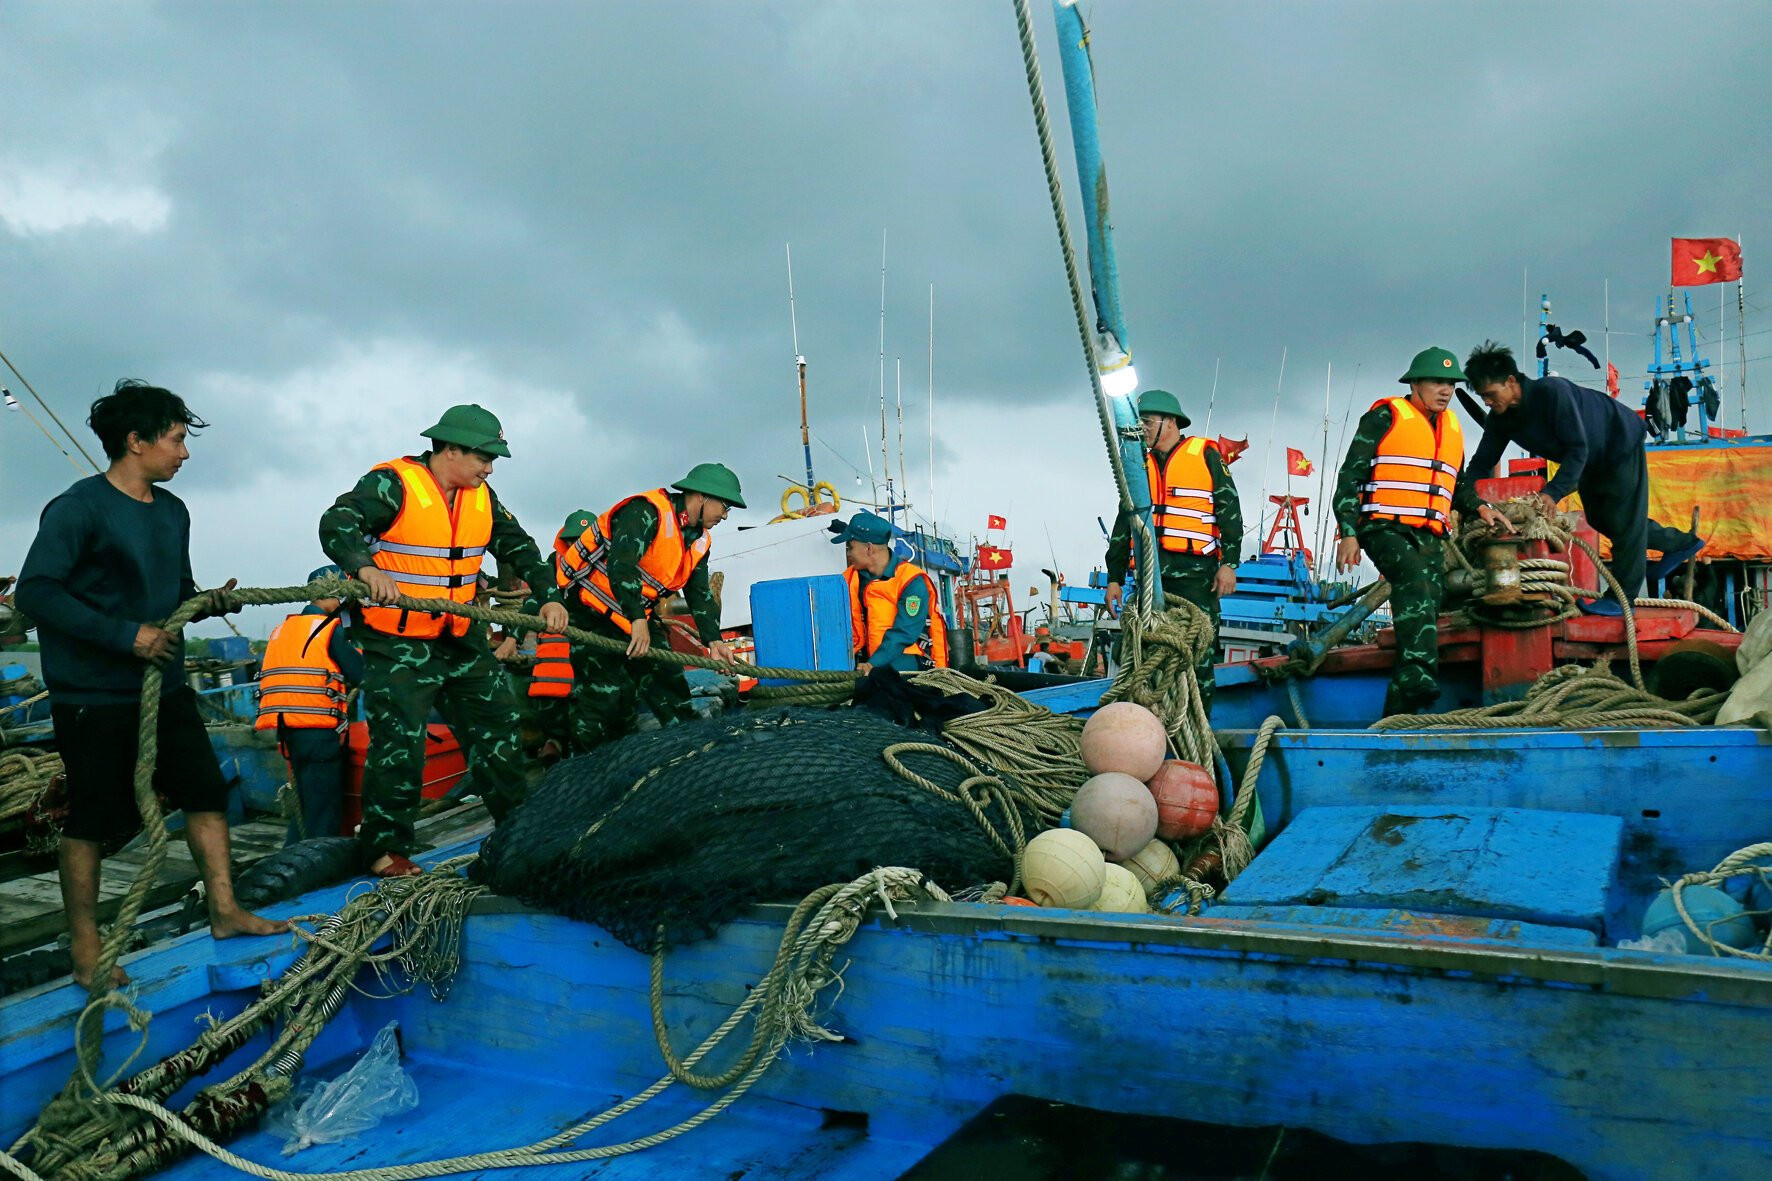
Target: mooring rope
(1754, 861)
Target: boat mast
(885, 460)
(1323, 467)
(800, 366)
(904, 485)
(1106, 347)
(931, 514)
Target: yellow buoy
(1154, 863)
(1062, 867)
(1120, 892)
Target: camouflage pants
(607, 687)
(1195, 585)
(1410, 559)
(402, 680)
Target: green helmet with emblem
(470, 426)
(1433, 365)
(1163, 402)
(712, 479)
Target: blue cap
(325, 572)
(868, 527)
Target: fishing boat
(1424, 950)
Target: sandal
(398, 866)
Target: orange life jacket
(1415, 468)
(432, 550)
(1182, 510)
(552, 674)
(298, 681)
(873, 611)
(665, 567)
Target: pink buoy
(1126, 738)
(1115, 811)
(1187, 799)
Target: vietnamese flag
(1705, 260)
(995, 522)
(992, 557)
(1296, 463)
(1230, 449)
(1611, 379)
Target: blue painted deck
(1551, 869)
(1626, 1064)
(1479, 1013)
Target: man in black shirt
(1597, 444)
(111, 556)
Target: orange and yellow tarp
(1730, 485)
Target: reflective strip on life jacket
(286, 688)
(431, 547)
(665, 567)
(1415, 468)
(1183, 512)
(552, 674)
(874, 610)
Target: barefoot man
(113, 553)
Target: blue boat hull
(1625, 1064)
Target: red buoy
(1187, 799)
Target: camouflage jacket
(1225, 506)
(631, 532)
(1358, 464)
(369, 509)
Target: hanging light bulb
(11, 402)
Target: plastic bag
(349, 1105)
(1669, 942)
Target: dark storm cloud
(367, 208)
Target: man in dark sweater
(111, 555)
(1596, 443)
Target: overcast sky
(324, 223)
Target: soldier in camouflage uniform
(1399, 526)
(1211, 527)
(420, 525)
(608, 685)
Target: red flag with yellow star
(1706, 260)
(1297, 463)
(994, 557)
(1231, 448)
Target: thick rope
(1754, 861)
(1038, 749)
(1572, 697)
(1158, 673)
(783, 1003)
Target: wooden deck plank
(31, 906)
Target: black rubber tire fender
(295, 869)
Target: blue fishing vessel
(1420, 954)
(1424, 950)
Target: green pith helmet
(712, 479)
(473, 427)
(1433, 365)
(576, 523)
(1163, 402)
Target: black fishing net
(688, 826)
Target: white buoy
(1154, 863)
(1063, 867)
(1121, 893)
(1124, 737)
(1116, 810)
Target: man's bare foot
(238, 921)
(85, 953)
